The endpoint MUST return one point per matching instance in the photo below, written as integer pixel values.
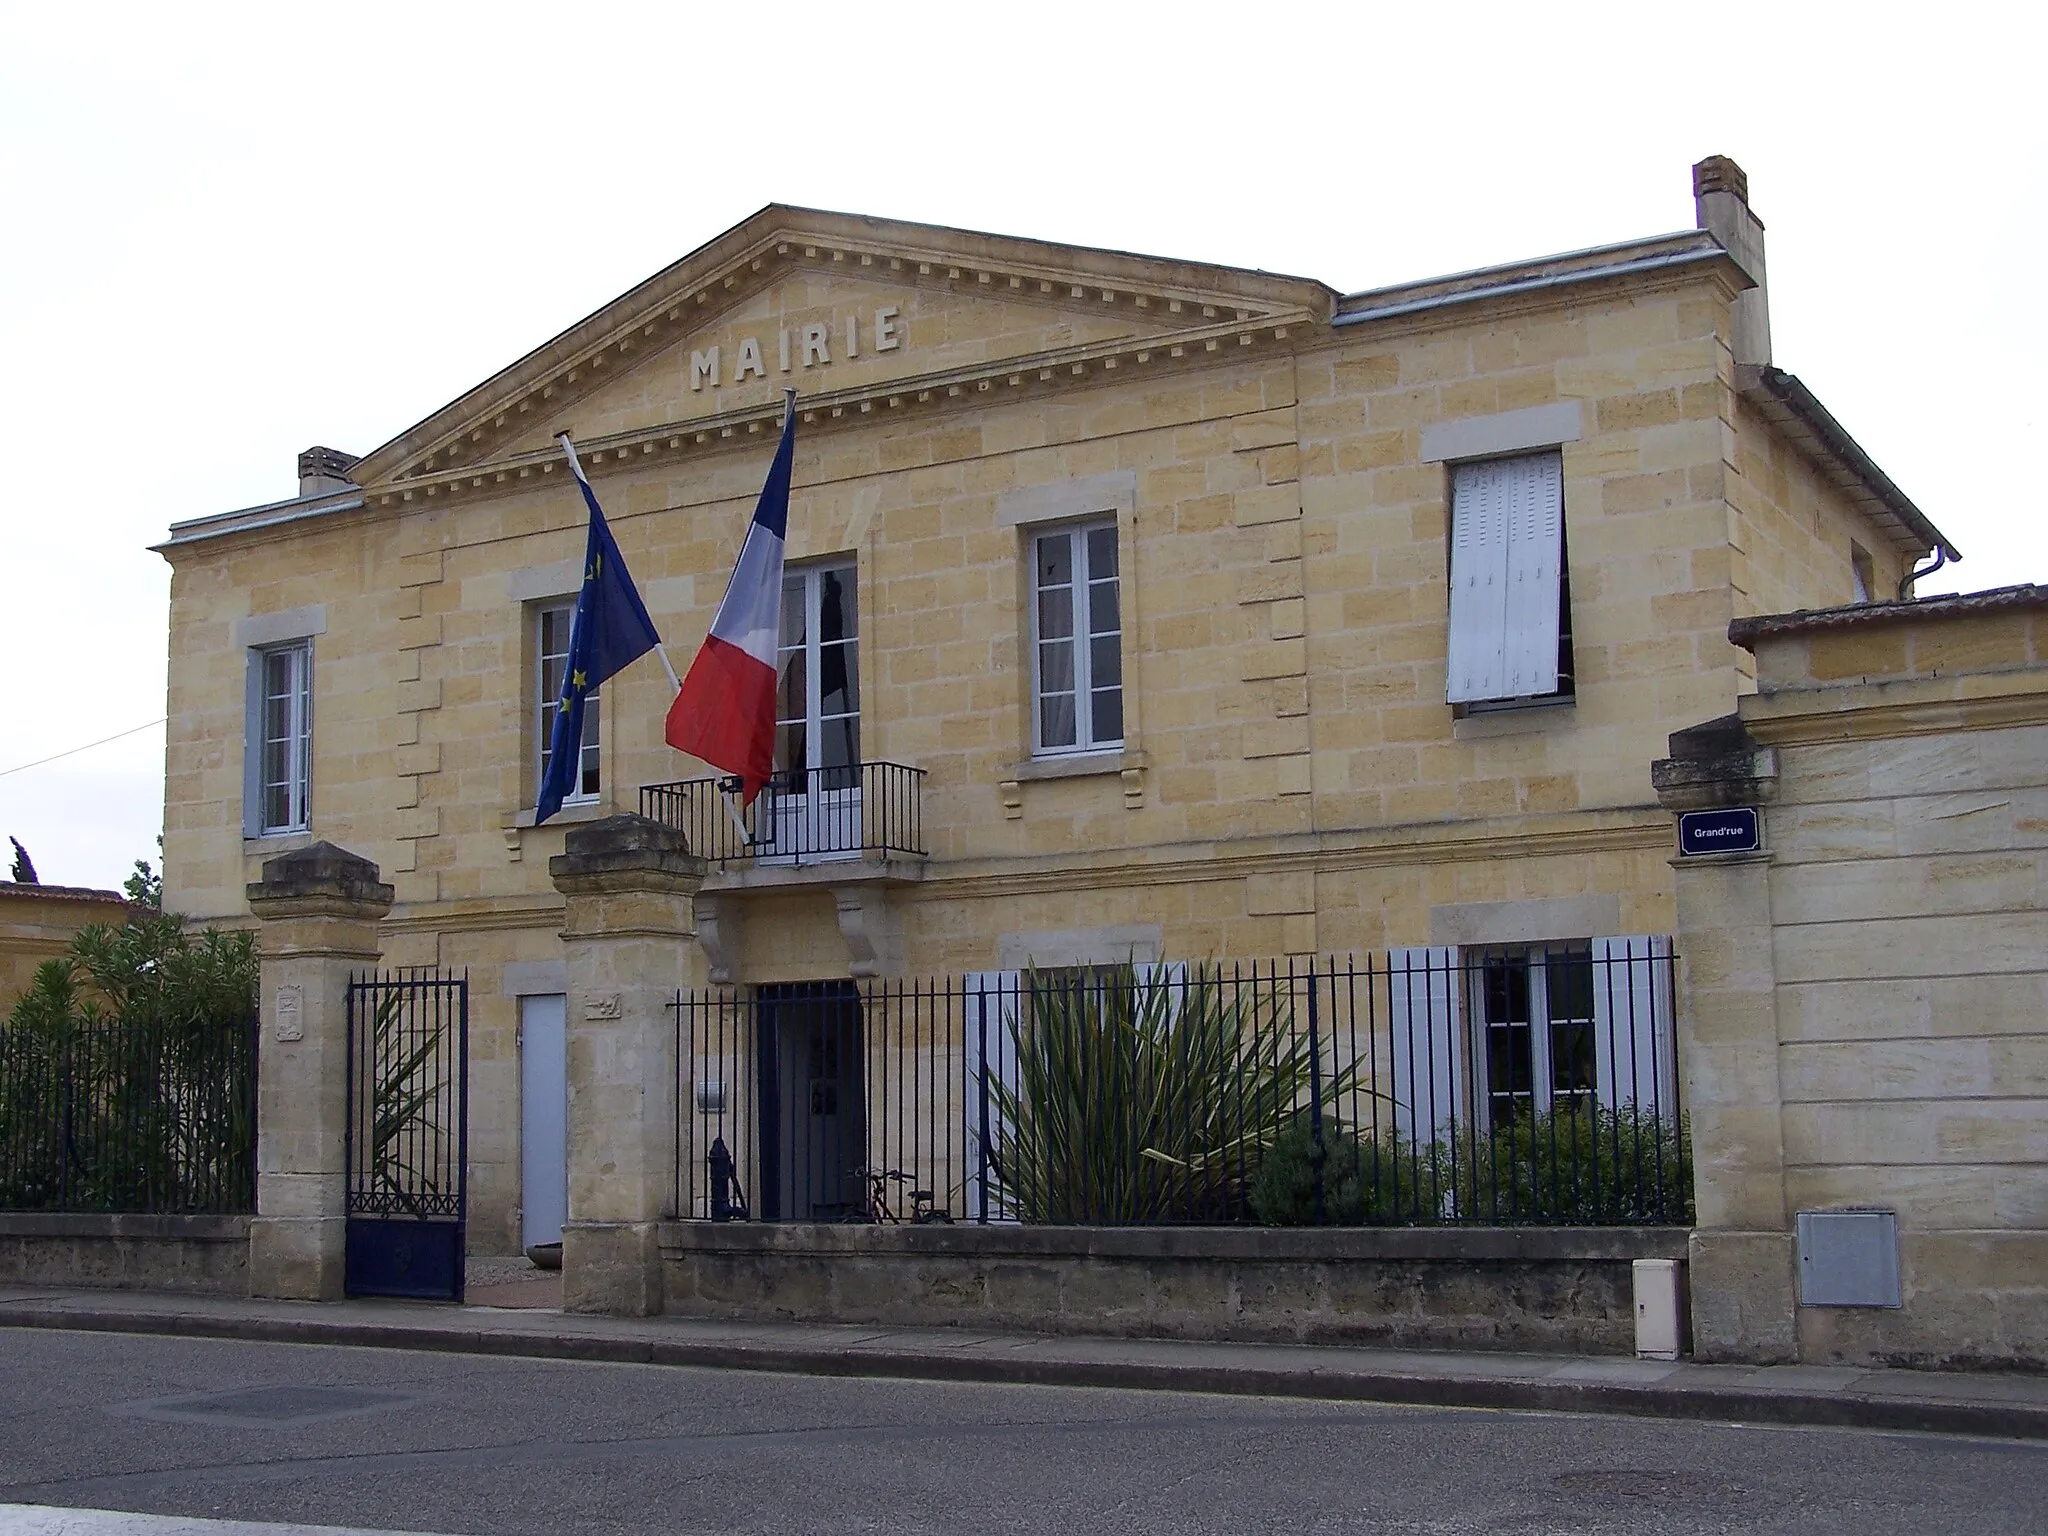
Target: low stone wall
(1477, 1288)
(157, 1253)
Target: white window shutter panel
(1635, 1044)
(992, 1003)
(1534, 494)
(1422, 1005)
(1479, 583)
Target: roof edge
(252, 519)
(1805, 621)
(1679, 248)
(1785, 401)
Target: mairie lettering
(803, 346)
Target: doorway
(543, 1119)
(813, 1104)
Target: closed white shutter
(991, 1004)
(1507, 545)
(1479, 583)
(1535, 518)
(1634, 1041)
(1422, 1002)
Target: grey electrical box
(1849, 1259)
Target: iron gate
(408, 1134)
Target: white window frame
(1080, 638)
(1543, 1025)
(546, 700)
(297, 735)
(811, 579)
(1509, 582)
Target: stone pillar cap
(321, 872)
(1713, 764)
(619, 844)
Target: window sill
(1513, 719)
(571, 811)
(1076, 765)
(276, 842)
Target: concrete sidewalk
(2009, 1406)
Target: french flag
(725, 713)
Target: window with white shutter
(1510, 604)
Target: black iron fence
(803, 816)
(102, 1114)
(1534, 1085)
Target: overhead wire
(74, 751)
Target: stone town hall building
(1134, 608)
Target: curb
(1947, 1416)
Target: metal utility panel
(1849, 1259)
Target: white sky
(232, 233)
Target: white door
(543, 1119)
(812, 810)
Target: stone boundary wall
(127, 1253)
(1561, 1289)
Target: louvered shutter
(1422, 1005)
(1534, 497)
(1507, 548)
(1479, 583)
(1634, 1042)
(991, 1008)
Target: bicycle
(875, 1207)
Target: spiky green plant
(1147, 1098)
(403, 1135)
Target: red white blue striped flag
(725, 713)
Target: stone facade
(1863, 1017)
(1273, 457)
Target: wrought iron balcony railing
(804, 816)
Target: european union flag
(610, 629)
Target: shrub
(124, 1073)
(1572, 1167)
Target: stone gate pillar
(629, 938)
(1741, 1270)
(319, 908)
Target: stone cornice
(1319, 853)
(1614, 831)
(1907, 707)
(980, 384)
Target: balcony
(866, 812)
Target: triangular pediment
(836, 306)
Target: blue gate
(408, 1134)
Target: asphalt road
(408, 1441)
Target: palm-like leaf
(1149, 1098)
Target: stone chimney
(324, 469)
(1720, 193)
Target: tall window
(1510, 635)
(1077, 641)
(285, 724)
(1537, 1031)
(817, 664)
(553, 649)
